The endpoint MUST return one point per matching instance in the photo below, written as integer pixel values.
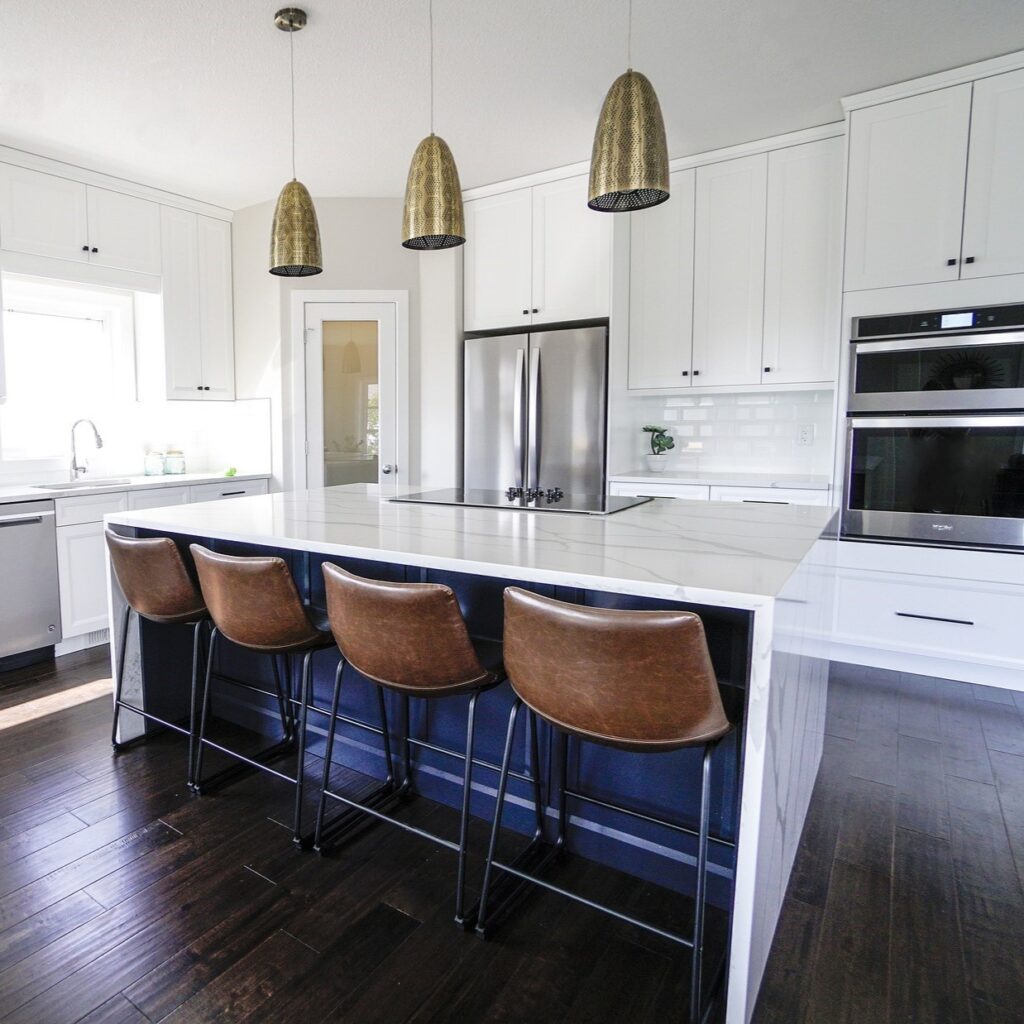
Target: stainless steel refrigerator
(536, 409)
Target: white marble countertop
(683, 475)
(26, 492)
(720, 553)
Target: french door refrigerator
(535, 410)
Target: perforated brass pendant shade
(433, 217)
(629, 163)
(295, 236)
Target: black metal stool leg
(702, 864)
(284, 704)
(563, 780)
(300, 767)
(405, 789)
(385, 735)
(481, 918)
(331, 729)
(197, 647)
(538, 801)
(121, 652)
(197, 779)
(467, 790)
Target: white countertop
(721, 553)
(25, 492)
(719, 479)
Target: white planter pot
(657, 463)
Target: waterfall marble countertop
(717, 553)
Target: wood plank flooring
(125, 900)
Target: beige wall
(361, 250)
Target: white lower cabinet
(770, 495)
(227, 489)
(157, 497)
(692, 492)
(81, 569)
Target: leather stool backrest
(253, 600)
(639, 680)
(409, 635)
(153, 578)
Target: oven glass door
(968, 372)
(953, 479)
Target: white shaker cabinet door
(661, 289)
(42, 214)
(905, 190)
(182, 336)
(82, 572)
(216, 325)
(497, 258)
(803, 254)
(571, 254)
(994, 210)
(124, 231)
(728, 292)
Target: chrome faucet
(77, 469)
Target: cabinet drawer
(228, 489)
(158, 497)
(693, 492)
(770, 495)
(89, 508)
(925, 615)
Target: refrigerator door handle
(517, 415)
(533, 458)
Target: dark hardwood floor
(124, 899)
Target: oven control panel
(902, 325)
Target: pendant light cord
(629, 39)
(430, 8)
(291, 55)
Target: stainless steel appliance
(935, 432)
(29, 598)
(535, 411)
(531, 499)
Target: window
(68, 355)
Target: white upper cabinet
(994, 208)
(908, 161)
(661, 289)
(124, 231)
(728, 292)
(197, 319)
(803, 252)
(497, 258)
(43, 215)
(571, 254)
(536, 255)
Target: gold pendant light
(295, 236)
(433, 217)
(629, 163)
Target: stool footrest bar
(152, 718)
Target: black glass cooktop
(550, 499)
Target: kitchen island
(760, 576)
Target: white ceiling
(193, 96)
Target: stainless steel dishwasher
(29, 594)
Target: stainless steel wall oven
(935, 428)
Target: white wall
(360, 239)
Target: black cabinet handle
(686, 373)
(696, 373)
(536, 311)
(206, 388)
(969, 259)
(231, 494)
(199, 387)
(526, 312)
(950, 263)
(767, 369)
(934, 618)
(94, 249)
(85, 248)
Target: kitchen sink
(78, 485)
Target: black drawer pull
(231, 494)
(763, 501)
(935, 618)
(950, 263)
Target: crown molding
(941, 80)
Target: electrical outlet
(805, 435)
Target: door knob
(387, 467)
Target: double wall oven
(935, 428)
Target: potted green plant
(661, 443)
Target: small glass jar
(154, 464)
(174, 462)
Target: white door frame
(300, 298)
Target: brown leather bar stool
(640, 681)
(156, 586)
(409, 638)
(254, 603)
